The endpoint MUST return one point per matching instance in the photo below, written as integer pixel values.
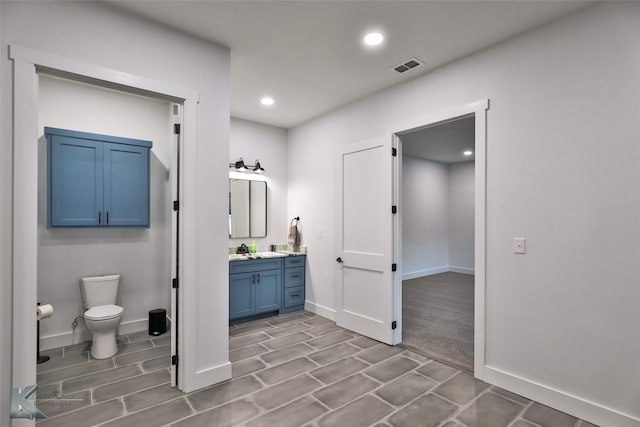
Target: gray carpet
(437, 317)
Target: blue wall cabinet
(97, 180)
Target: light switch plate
(519, 245)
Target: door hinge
(394, 209)
(176, 205)
(174, 283)
(394, 267)
(174, 359)
(394, 324)
(394, 151)
(176, 128)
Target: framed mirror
(247, 208)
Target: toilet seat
(103, 312)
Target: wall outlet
(519, 245)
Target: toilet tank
(99, 290)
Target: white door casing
(26, 63)
(365, 226)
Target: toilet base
(104, 345)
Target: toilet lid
(108, 311)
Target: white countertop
(263, 255)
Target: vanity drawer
(294, 296)
(294, 261)
(293, 277)
(245, 266)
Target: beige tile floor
(292, 370)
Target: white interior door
(365, 239)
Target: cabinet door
(75, 182)
(126, 185)
(241, 295)
(268, 289)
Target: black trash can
(157, 321)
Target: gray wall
(437, 217)
(461, 216)
(140, 255)
(251, 141)
(562, 131)
(425, 217)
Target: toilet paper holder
(42, 312)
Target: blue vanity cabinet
(97, 180)
(294, 282)
(255, 286)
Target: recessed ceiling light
(373, 39)
(468, 153)
(267, 100)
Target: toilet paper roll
(44, 311)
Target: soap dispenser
(252, 247)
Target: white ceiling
(308, 55)
(444, 142)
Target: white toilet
(102, 316)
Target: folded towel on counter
(294, 235)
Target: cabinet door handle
(99, 217)
(258, 277)
(107, 217)
(295, 276)
(254, 278)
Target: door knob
(339, 260)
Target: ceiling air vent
(407, 65)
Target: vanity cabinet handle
(258, 278)
(107, 217)
(99, 217)
(295, 276)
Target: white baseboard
(462, 270)
(562, 401)
(424, 273)
(437, 270)
(82, 334)
(320, 310)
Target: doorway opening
(438, 228)
(141, 257)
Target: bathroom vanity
(265, 282)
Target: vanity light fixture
(258, 168)
(241, 167)
(468, 153)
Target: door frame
(27, 64)
(478, 109)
